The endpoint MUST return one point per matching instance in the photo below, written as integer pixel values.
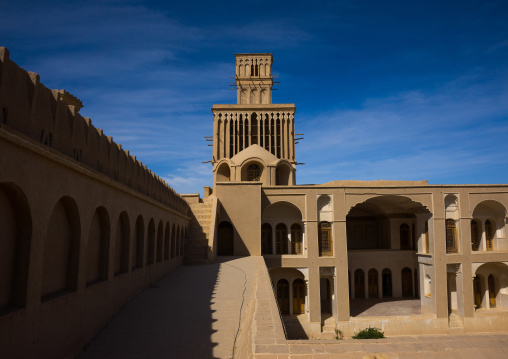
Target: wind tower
(254, 140)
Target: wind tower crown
(254, 78)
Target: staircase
(196, 243)
(455, 323)
(328, 325)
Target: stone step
(328, 336)
(196, 242)
(456, 324)
(329, 329)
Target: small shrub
(338, 334)
(370, 333)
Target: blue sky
(405, 90)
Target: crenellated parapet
(52, 118)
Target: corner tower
(254, 140)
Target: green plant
(370, 333)
(338, 334)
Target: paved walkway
(192, 313)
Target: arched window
(325, 239)
(359, 284)
(160, 235)
(475, 235)
(277, 177)
(281, 238)
(477, 289)
(492, 291)
(489, 235)
(254, 173)
(151, 242)
(451, 237)
(298, 296)
(427, 248)
(122, 241)
(373, 285)
(404, 237)
(266, 239)
(296, 239)
(407, 282)
(283, 296)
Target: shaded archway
(225, 241)
(97, 251)
(15, 243)
(283, 296)
(138, 248)
(298, 296)
(122, 242)
(373, 283)
(359, 284)
(223, 173)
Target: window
(281, 238)
(325, 239)
(254, 173)
(475, 237)
(477, 292)
(266, 239)
(296, 239)
(451, 237)
(404, 237)
(427, 249)
(492, 291)
(489, 235)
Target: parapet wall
(51, 117)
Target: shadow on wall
(172, 319)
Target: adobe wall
(50, 117)
(77, 242)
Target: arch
(151, 242)
(252, 171)
(387, 282)
(173, 241)
(281, 239)
(178, 241)
(385, 204)
(477, 290)
(325, 239)
(405, 243)
(324, 203)
(451, 236)
(407, 282)
(15, 243)
(266, 239)
(359, 284)
(475, 235)
(97, 252)
(283, 296)
(283, 174)
(223, 173)
(373, 283)
(282, 211)
(225, 241)
(160, 235)
(182, 240)
(491, 285)
(166, 242)
(296, 239)
(298, 296)
(489, 235)
(138, 249)
(122, 242)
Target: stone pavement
(195, 313)
(192, 313)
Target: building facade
(333, 247)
